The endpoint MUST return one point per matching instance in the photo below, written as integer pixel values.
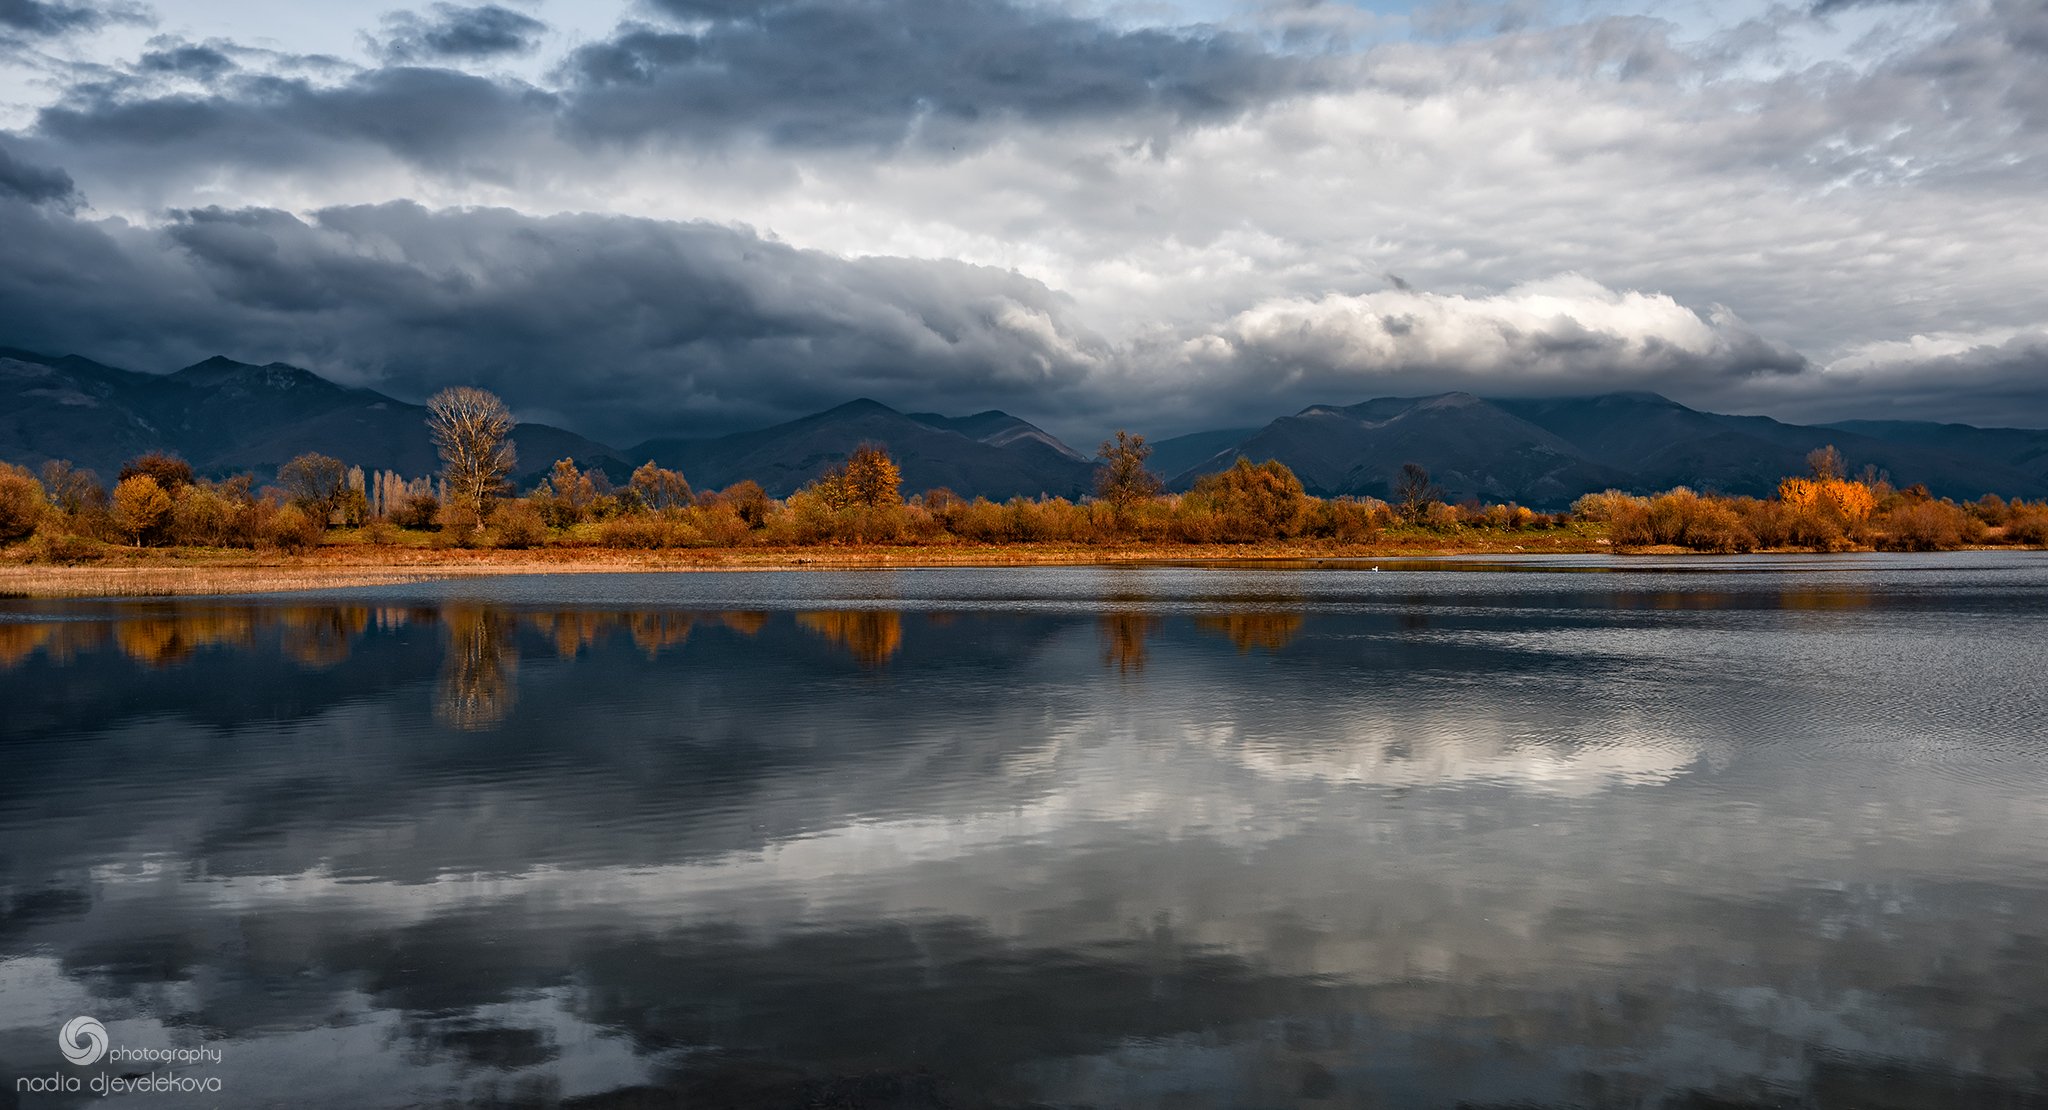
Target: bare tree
(1414, 492)
(1122, 479)
(658, 488)
(315, 483)
(470, 427)
(1826, 463)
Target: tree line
(65, 514)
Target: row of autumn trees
(66, 514)
(1824, 511)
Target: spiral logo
(84, 1040)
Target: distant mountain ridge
(990, 454)
(226, 416)
(1547, 451)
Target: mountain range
(227, 417)
(1545, 452)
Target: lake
(1764, 831)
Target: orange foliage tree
(1852, 502)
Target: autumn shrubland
(157, 506)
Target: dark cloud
(1830, 7)
(2000, 380)
(49, 18)
(458, 33)
(434, 118)
(926, 72)
(622, 327)
(812, 74)
(193, 60)
(25, 181)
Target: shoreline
(185, 572)
(176, 572)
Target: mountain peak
(1644, 396)
(860, 406)
(221, 370)
(1456, 399)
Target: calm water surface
(1766, 832)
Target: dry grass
(172, 571)
(171, 579)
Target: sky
(676, 217)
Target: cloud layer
(719, 212)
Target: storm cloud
(457, 32)
(49, 18)
(619, 326)
(716, 212)
(22, 180)
(879, 73)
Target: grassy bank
(347, 558)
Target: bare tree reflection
(1123, 639)
(871, 636)
(479, 677)
(1268, 631)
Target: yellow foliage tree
(140, 507)
(868, 477)
(872, 477)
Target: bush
(460, 526)
(749, 501)
(1681, 518)
(644, 531)
(1436, 516)
(420, 511)
(1252, 503)
(1600, 508)
(2028, 525)
(517, 524)
(52, 544)
(1347, 519)
(1925, 526)
(291, 528)
(720, 525)
(805, 519)
(978, 521)
(22, 503)
(200, 516)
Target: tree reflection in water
(478, 684)
(872, 637)
(1123, 639)
(1264, 630)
